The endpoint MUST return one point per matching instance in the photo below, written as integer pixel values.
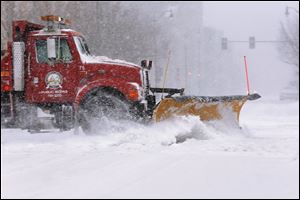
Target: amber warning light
(5, 73)
(55, 19)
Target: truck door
(51, 80)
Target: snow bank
(180, 158)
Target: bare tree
(110, 29)
(289, 51)
(6, 17)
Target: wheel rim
(102, 113)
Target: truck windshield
(82, 46)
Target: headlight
(135, 92)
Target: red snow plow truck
(49, 68)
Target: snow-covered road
(259, 161)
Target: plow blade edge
(205, 107)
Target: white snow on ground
(259, 161)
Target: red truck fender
(131, 91)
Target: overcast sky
(239, 20)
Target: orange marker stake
(246, 69)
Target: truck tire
(102, 112)
(64, 118)
(27, 117)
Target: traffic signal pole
(252, 42)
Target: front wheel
(103, 112)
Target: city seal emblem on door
(54, 80)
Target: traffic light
(224, 43)
(252, 42)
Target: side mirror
(146, 64)
(51, 48)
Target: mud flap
(206, 108)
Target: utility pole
(168, 14)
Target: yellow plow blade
(206, 108)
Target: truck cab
(52, 68)
(67, 74)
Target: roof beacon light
(56, 19)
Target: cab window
(63, 52)
(41, 51)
